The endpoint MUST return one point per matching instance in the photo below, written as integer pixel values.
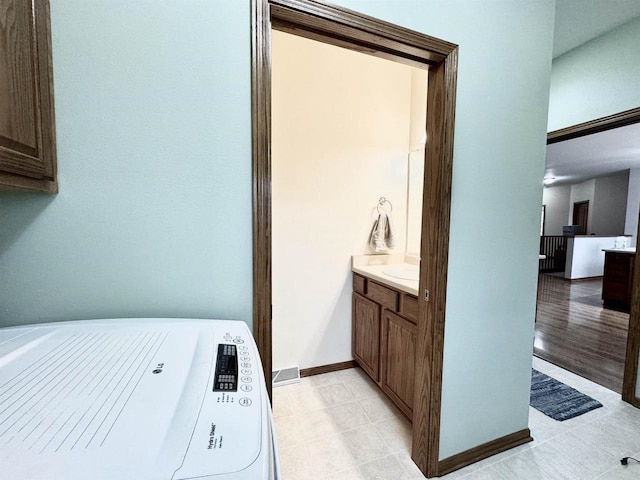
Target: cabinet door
(398, 358)
(27, 132)
(366, 335)
(618, 277)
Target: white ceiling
(578, 21)
(596, 155)
(604, 153)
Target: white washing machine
(162, 399)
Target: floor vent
(286, 376)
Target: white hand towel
(382, 237)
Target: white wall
(501, 118)
(581, 192)
(414, 201)
(599, 78)
(610, 204)
(415, 183)
(340, 141)
(633, 205)
(607, 198)
(418, 126)
(556, 199)
(585, 257)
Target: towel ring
(381, 203)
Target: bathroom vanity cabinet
(384, 338)
(27, 126)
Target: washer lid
(124, 399)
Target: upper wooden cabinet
(27, 124)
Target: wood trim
(616, 120)
(334, 22)
(483, 451)
(333, 367)
(261, 160)
(633, 339)
(434, 252)
(345, 28)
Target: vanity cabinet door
(366, 335)
(398, 354)
(27, 131)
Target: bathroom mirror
(414, 201)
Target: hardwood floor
(574, 332)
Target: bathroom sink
(403, 271)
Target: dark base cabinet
(384, 338)
(398, 353)
(366, 335)
(617, 280)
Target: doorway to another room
(587, 285)
(581, 215)
(336, 26)
(346, 127)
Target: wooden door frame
(573, 214)
(628, 117)
(629, 381)
(349, 29)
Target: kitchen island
(618, 278)
(584, 255)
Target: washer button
(245, 401)
(246, 388)
(238, 340)
(246, 379)
(246, 371)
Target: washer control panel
(226, 376)
(231, 426)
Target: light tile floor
(339, 426)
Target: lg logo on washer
(159, 368)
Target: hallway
(574, 332)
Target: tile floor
(339, 426)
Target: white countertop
(619, 250)
(371, 266)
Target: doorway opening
(347, 129)
(581, 215)
(574, 329)
(341, 27)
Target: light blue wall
(501, 117)
(599, 78)
(153, 217)
(154, 211)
